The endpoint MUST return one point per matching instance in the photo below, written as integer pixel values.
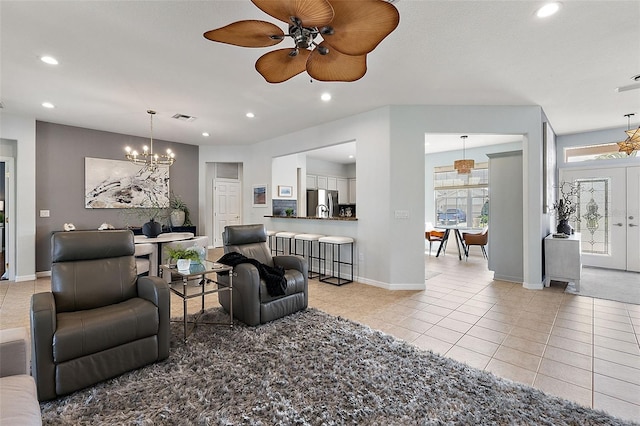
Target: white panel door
(226, 207)
(602, 212)
(633, 219)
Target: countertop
(348, 219)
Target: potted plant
(565, 207)
(179, 215)
(289, 212)
(183, 256)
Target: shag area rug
(309, 368)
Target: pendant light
(148, 159)
(632, 143)
(463, 166)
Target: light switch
(402, 214)
(44, 213)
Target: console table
(562, 259)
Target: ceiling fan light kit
(331, 37)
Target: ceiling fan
(349, 29)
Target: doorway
(7, 222)
(608, 209)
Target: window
(462, 199)
(605, 151)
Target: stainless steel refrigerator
(322, 203)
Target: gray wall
(60, 153)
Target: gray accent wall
(60, 154)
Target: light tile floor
(576, 347)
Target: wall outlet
(45, 213)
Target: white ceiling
(120, 58)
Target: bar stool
(284, 237)
(335, 243)
(270, 237)
(307, 251)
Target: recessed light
(49, 60)
(250, 115)
(205, 134)
(351, 156)
(548, 10)
(48, 105)
(326, 97)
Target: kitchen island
(343, 218)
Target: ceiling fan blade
(278, 66)
(247, 34)
(360, 25)
(312, 13)
(336, 66)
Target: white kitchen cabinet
(322, 182)
(343, 191)
(332, 183)
(352, 191)
(312, 181)
(562, 260)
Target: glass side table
(178, 281)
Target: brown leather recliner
(252, 303)
(100, 319)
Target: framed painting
(118, 184)
(548, 167)
(259, 196)
(285, 191)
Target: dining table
(456, 228)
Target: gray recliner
(252, 304)
(100, 319)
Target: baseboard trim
(389, 286)
(21, 278)
(533, 286)
(43, 274)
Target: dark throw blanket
(272, 276)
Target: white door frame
(10, 214)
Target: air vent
(183, 117)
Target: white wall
(390, 180)
(23, 131)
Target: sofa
(18, 395)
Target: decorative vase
(177, 218)
(152, 229)
(564, 227)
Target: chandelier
(463, 166)
(632, 143)
(147, 158)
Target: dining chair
(432, 235)
(476, 240)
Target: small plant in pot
(176, 255)
(288, 212)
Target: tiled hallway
(577, 347)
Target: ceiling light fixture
(205, 134)
(326, 97)
(463, 166)
(49, 60)
(148, 159)
(548, 10)
(48, 105)
(250, 115)
(632, 143)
